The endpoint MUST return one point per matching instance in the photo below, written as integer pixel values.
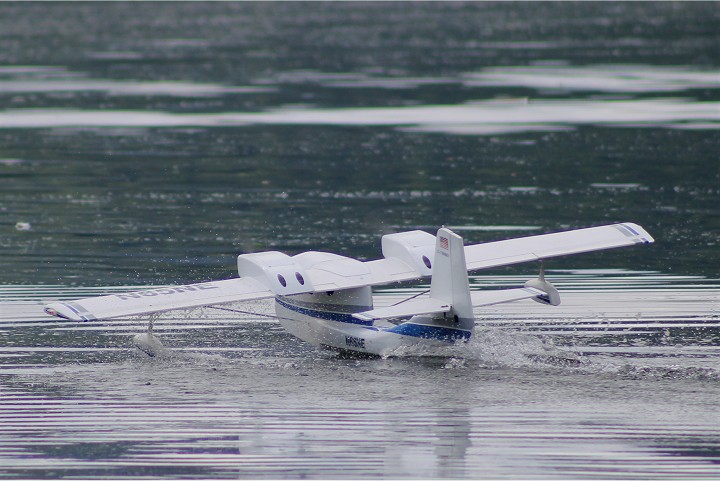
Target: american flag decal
(444, 243)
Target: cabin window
(282, 280)
(427, 262)
(300, 278)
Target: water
(620, 381)
(148, 144)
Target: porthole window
(427, 263)
(300, 278)
(282, 280)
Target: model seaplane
(326, 299)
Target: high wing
(410, 255)
(524, 249)
(407, 256)
(159, 299)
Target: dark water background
(150, 143)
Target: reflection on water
(628, 79)
(627, 364)
(479, 118)
(56, 80)
(608, 78)
(545, 77)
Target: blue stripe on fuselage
(329, 316)
(424, 331)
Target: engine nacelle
(415, 248)
(277, 271)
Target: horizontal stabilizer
(418, 307)
(525, 249)
(411, 308)
(489, 298)
(159, 299)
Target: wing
(407, 256)
(503, 253)
(159, 299)
(524, 249)
(410, 255)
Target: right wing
(159, 299)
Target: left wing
(159, 299)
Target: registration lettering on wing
(165, 291)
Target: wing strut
(148, 342)
(550, 295)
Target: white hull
(334, 327)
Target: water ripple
(479, 118)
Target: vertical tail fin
(449, 282)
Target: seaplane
(326, 299)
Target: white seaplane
(326, 299)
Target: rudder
(449, 281)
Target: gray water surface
(150, 143)
(618, 382)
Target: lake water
(150, 143)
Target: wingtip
(640, 232)
(66, 310)
(51, 311)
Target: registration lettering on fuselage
(357, 342)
